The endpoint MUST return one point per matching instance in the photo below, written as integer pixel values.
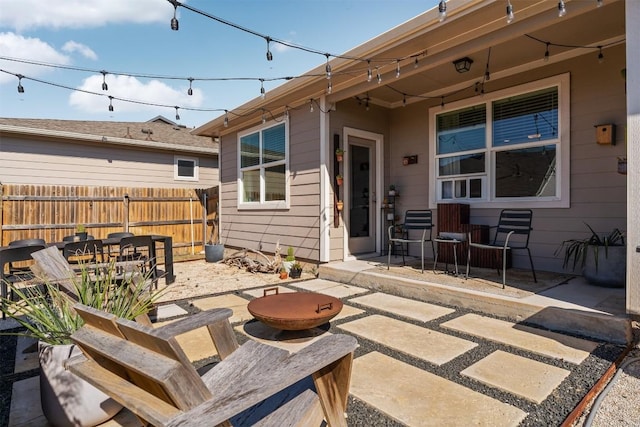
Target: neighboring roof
(477, 29)
(159, 133)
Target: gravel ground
(552, 411)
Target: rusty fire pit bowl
(294, 311)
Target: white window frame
(563, 151)
(196, 168)
(262, 204)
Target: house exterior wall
(299, 225)
(598, 192)
(39, 161)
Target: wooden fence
(52, 212)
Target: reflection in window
(461, 130)
(274, 179)
(529, 172)
(458, 165)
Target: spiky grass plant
(577, 250)
(46, 313)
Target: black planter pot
(295, 273)
(82, 235)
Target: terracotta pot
(339, 157)
(68, 400)
(284, 275)
(339, 181)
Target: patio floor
(426, 348)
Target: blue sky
(134, 37)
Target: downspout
(326, 214)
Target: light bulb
(111, 103)
(263, 93)
(329, 87)
(397, 69)
(269, 54)
(600, 55)
(546, 54)
(404, 100)
(264, 117)
(328, 67)
(510, 15)
(487, 76)
(174, 20)
(20, 88)
(226, 118)
(104, 80)
(442, 10)
(369, 75)
(190, 91)
(311, 105)
(177, 115)
(562, 10)
(599, 3)
(378, 76)
(415, 62)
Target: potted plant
(296, 270)
(392, 190)
(283, 273)
(46, 313)
(339, 154)
(289, 259)
(339, 179)
(602, 259)
(213, 249)
(81, 232)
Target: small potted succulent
(339, 179)
(289, 260)
(283, 273)
(296, 270)
(392, 190)
(81, 232)
(339, 154)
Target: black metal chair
(8, 256)
(119, 234)
(85, 251)
(141, 250)
(512, 233)
(74, 238)
(27, 242)
(414, 220)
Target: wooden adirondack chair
(147, 371)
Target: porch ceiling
(471, 29)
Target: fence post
(126, 212)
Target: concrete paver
(26, 355)
(416, 341)
(234, 302)
(546, 343)
(327, 287)
(257, 293)
(166, 311)
(417, 310)
(524, 377)
(419, 398)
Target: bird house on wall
(605, 134)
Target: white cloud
(83, 49)
(131, 88)
(16, 46)
(29, 14)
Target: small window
(185, 169)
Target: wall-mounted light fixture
(463, 64)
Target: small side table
(449, 238)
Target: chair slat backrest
(418, 220)
(85, 251)
(516, 221)
(156, 364)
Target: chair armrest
(275, 371)
(196, 321)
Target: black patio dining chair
(512, 233)
(10, 255)
(119, 235)
(415, 221)
(24, 242)
(140, 249)
(84, 252)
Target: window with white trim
(185, 168)
(504, 148)
(263, 167)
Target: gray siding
(298, 226)
(30, 161)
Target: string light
(311, 105)
(190, 90)
(104, 80)
(599, 3)
(263, 93)
(442, 102)
(174, 21)
(510, 15)
(397, 69)
(404, 100)
(442, 10)
(415, 62)
(329, 87)
(264, 117)
(269, 54)
(110, 103)
(328, 67)
(562, 10)
(226, 118)
(600, 55)
(369, 73)
(177, 115)
(20, 88)
(378, 76)
(546, 53)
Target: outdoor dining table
(167, 246)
